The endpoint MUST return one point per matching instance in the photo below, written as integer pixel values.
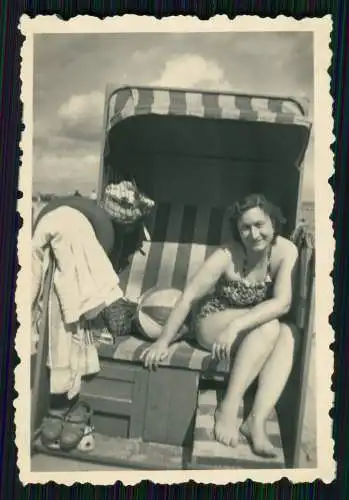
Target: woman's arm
(197, 287)
(201, 283)
(281, 301)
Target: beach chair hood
(206, 145)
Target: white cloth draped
(84, 276)
(83, 280)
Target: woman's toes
(258, 439)
(225, 430)
(264, 448)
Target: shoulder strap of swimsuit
(269, 260)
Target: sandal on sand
(74, 426)
(52, 426)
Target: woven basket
(119, 317)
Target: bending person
(239, 301)
(82, 237)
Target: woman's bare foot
(225, 427)
(256, 435)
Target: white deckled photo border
(325, 244)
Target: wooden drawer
(117, 395)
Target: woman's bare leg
(272, 380)
(250, 358)
(209, 328)
(255, 348)
(273, 366)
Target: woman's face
(256, 229)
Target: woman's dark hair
(238, 208)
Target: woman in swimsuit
(240, 298)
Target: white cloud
(192, 71)
(81, 116)
(81, 107)
(66, 150)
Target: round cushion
(97, 216)
(154, 309)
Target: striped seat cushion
(184, 354)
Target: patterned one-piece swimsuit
(235, 293)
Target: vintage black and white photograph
(174, 203)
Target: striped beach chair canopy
(168, 139)
(127, 102)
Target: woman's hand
(154, 354)
(221, 349)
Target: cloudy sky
(72, 70)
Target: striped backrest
(183, 236)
